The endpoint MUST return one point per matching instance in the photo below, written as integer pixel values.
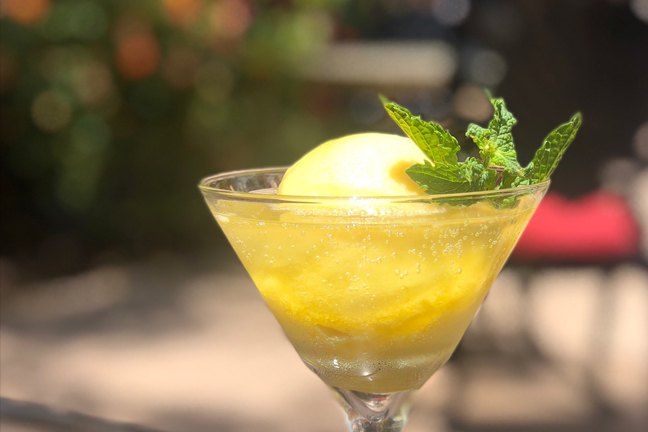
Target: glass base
(375, 412)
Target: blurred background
(123, 303)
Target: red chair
(597, 229)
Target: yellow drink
(373, 296)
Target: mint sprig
(497, 166)
(437, 143)
(553, 148)
(495, 144)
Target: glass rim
(205, 187)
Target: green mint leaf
(434, 141)
(468, 176)
(440, 179)
(549, 155)
(483, 178)
(495, 144)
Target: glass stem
(375, 412)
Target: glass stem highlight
(375, 412)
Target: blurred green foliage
(112, 110)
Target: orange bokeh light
(231, 18)
(138, 56)
(183, 12)
(25, 11)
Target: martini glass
(374, 293)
